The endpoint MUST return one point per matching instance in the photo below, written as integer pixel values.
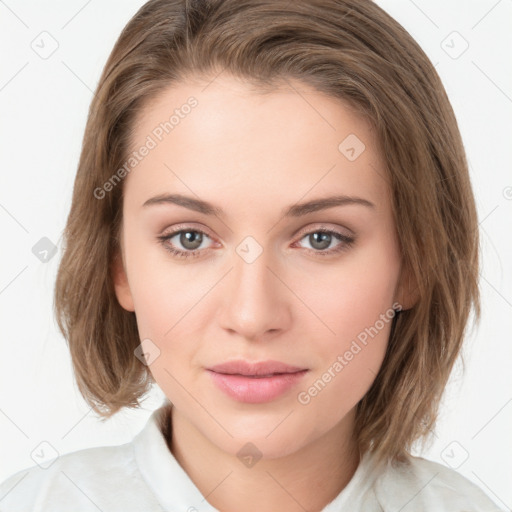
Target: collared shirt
(144, 476)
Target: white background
(44, 104)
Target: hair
(348, 49)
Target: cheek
(169, 305)
(350, 359)
(350, 296)
(355, 306)
(163, 291)
(336, 388)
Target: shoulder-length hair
(348, 49)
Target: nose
(257, 303)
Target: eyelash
(347, 242)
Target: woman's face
(258, 176)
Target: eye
(321, 239)
(190, 239)
(192, 242)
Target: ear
(121, 286)
(407, 293)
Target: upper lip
(241, 367)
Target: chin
(267, 438)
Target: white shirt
(144, 476)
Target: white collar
(167, 479)
(176, 491)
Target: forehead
(228, 135)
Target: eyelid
(177, 228)
(318, 226)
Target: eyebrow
(296, 210)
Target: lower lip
(255, 390)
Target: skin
(254, 155)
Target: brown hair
(348, 49)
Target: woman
(273, 221)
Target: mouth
(255, 382)
(256, 369)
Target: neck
(307, 479)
